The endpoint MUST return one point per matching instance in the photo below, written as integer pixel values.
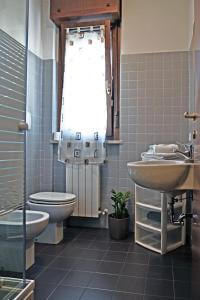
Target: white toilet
(59, 206)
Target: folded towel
(159, 156)
(163, 148)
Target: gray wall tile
(154, 95)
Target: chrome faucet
(188, 154)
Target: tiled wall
(34, 136)
(47, 148)
(154, 96)
(39, 152)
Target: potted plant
(119, 220)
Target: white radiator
(84, 182)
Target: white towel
(163, 148)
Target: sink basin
(161, 175)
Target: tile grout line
(119, 276)
(45, 268)
(58, 284)
(173, 278)
(96, 271)
(59, 281)
(71, 269)
(146, 277)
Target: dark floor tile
(86, 265)
(160, 272)
(184, 250)
(187, 290)
(163, 288)
(129, 239)
(43, 290)
(69, 236)
(89, 235)
(54, 249)
(157, 298)
(160, 260)
(82, 253)
(128, 284)
(133, 247)
(137, 270)
(66, 293)
(103, 281)
(94, 231)
(126, 296)
(183, 261)
(52, 275)
(43, 259)
(86, 251)
(181, 299)
(115, 256)
(99, 245)
(102, 235)
(82, 243)
(183, 274)
(77, 278)
(72, 232)
(122, 247)
(92, 254)
(39, 248)
(71, 251)
(139, 258)
(110, 267)
(34, 271)
(95, 294)
(63, 263)
(68, 239)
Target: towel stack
(163, 148)
(161, 151)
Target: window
(110, 56)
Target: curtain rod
(84, 29)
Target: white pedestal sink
(165, 175)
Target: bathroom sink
(161, 175)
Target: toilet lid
(52, 197)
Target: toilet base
(53, 234)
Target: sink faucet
(188, 154)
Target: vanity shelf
(153, 228)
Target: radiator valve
(103, 212)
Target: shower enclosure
(13, 54)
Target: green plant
(120, 200)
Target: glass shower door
(13, 36)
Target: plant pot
(118, 228)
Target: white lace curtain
(84, 112)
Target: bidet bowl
(11, 225)
(161, 175)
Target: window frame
(112, 55)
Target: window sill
(114, 142)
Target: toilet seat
(52, 198)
